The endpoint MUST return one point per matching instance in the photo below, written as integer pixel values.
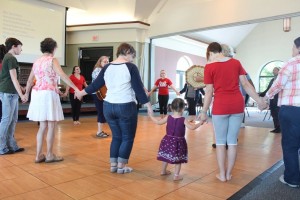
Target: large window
(266, 74)
(183, 64)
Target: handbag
(101, 93)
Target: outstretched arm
(177, 93)
(57, 68)
(192, 126)
(252, 93)
(159, 121)
(152, 90)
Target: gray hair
(227, 51)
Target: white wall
(177, 16)
(106, 33)
(267, 42)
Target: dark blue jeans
(99, 107)
(289, 118)
(122, 120)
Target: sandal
(124, 170)
(113, 169)
(102, 134)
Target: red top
(163, 86)
(77, 82)
(225, 79)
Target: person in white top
(102, 61)
(124, 84)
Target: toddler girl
(173, 147)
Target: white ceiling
(103, 11)
(230, 35)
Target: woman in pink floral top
(45, 106)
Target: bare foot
(223, 179)
(177, 177)
(165, 173)
(228, 177)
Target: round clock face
(195, 76)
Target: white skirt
(45, 106)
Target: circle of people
(223, 75)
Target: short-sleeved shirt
(225, 79)
(163, 86)
(77, 82)
(9, 62)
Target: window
(266, 74)
(183, 64)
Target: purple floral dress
(173, 147)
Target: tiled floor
(85, 172)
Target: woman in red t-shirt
(163, 85)
(80, 82)
(222, 76)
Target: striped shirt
(287, 84)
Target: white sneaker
(243, 125)
(281, 178)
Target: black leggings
(163, 104)
(76, 106)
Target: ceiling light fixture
(287, 22)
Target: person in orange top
(80, 82)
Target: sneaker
(281, 178)
(8, 152)
(19, 150)
(243, 125)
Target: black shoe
(9, 152)
(277, 131)
(273, 131)
(19, 150)
(214, 146)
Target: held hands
(149, 109)
(78, 94)
(202, 117)
(24, 98)
(262, 103)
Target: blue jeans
(289, 118)
(99, 107)
(122, 120)
(10, 106)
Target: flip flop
(54, 159)
(41, 159)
